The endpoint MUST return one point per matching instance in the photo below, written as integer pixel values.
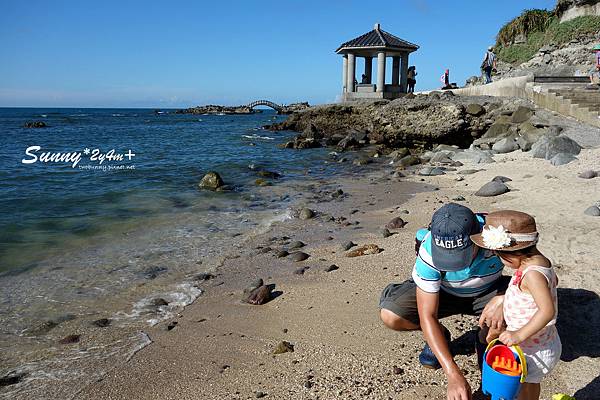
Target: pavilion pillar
(369, 69)
(344, 73)
(351, 73)
(381, 71)
(395, 70)
(404, 72)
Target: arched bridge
(266, 103)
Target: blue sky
(175, 54)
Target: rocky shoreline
(213, 109)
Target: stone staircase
(579, 102)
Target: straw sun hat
(507, 231)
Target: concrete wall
(581, 10)
(511, 87)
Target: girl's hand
(510, 338)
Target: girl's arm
(535, 283)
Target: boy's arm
(536, 284)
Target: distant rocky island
(244, 109)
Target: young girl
(530, 302)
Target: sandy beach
(222, 348)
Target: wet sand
(222, 348)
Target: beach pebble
(306, 213)
(300, 271)
(296, 245)
(431, 171)
(364, 250)
(12, 378)
(284, 347)
(397, 370)
(589, 174)
(493, 188)
(298, 256)
(171, 325)
(385, 233)
(204, 276)
(458, 198)
(282, 253)
(260, 395)
(260, 295)
(348, 245)
(102, 322)
(70, 339)
(501, 179)
(331, 268)
(254, 285)
(459, 179)
(395, 223)
(592, 211)
(469, 171)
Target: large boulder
(474, 156)
(211, 181)
(547, 147)
(562, 159)
(521, 115)
(408, 161)
(475, 109)
(493, 188)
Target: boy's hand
(510, 338)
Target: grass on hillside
(539, 33)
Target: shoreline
(222, 348)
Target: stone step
(561, 79)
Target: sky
(162, 54)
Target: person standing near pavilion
(488, 64)
(411, 78)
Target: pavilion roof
(378, 38)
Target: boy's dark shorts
(401, 299)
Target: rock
(12, 378)
(262, 182)
(562, 159)
(347, 143)
(589, 174)
(154, 272)
(399, 153)
(35, 124)
(395, 223)
(458, 198)
(260, 395)
(441, 158)
(547, 147)
(300, 271)
(70, 339)
(296, 245)
(306, 213)
(521, 115)
(42, 328)
(102, 322)
(592, 211)
(469, 171)
(211, 181)
(284, 347)
(260, 295)
(408, 161)
(159, 302)
(505, 145)
(475, 109)
(364, 250)
(282, 253)
(348, 245)
(269, 174)
(298, 256)
(398, 370)
(493, 188)
(497, 130)
(253, 286)
(311, 132)
(361, 161)
(204, 276)
(431, 171)
(385, 233)
(171, 325)
(501, 179)
(474, 156)
(331, 268)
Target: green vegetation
(540, 28)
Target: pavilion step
(561, 79)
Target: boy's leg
(529, 391)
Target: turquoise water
(48, 205)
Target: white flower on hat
(495, 238)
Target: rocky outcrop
(35, 124)
(216, 109)
(570, 9)
(412, 121)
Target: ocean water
(98, 233)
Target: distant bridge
(267, 103)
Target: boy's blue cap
(451, 246)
